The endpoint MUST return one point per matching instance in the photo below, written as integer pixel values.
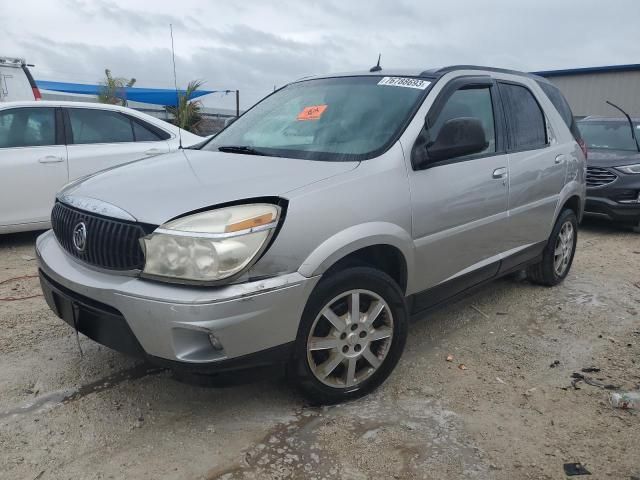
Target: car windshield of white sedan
(609, 135)
(339, 119)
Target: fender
(572, 189)
(356, 237)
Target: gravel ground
(508, 415)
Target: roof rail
(453, 68)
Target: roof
(64, 103)
(156, 96)
(632, 67)
(432, 73)
(396, 72)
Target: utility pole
(237, 103)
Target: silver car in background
(308, 231)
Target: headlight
(630, 168)
(209, 246)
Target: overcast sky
(253, 45)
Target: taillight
(583, 147)
(36, 93)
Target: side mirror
(458, 137)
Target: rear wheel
(351, 336)
(558, 254)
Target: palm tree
(113, 90)
(187, 115)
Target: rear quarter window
(554, 94)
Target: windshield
(608, 135)
(339, 119)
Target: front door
(460, 205)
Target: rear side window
(527, 128)
(27, 127)
(99, 126)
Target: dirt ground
(508, 415)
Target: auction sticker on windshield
(404, 82)
(314, 112)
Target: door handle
(559, 159)
(153, 151)
(500, 173)
(50, 159)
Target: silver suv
(308, 231)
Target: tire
(636, 227)
(349, 353)
(548, 272)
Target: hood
(157, 189)
(604, 157)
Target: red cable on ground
(13, 299)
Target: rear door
(537, 167)
(33, 163)
(99, 139)
(460, 205)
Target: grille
(598, 177)
(110, 243)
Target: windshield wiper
(240, 149)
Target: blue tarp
(155, 96)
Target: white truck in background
(16, 81)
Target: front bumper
(173, 323)
(618, 200)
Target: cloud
(253, 45)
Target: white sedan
(44, 145)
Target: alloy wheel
(350, 338)
(563, 248)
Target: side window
(527, 126)
(470, 102)
(27, 127)
(99, 126)
(563, 108)
(143, 134)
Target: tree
(188, 113)
(113, 90)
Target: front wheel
(351, 335)
(558, 254)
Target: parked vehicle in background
(308, 230)
(16, 81)
(613, 168)
(45, 145)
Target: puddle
(589, 300)
(65, 396)
(411, 435)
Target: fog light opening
(215, 342)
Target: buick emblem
(80, 236)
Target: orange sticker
(313, 112)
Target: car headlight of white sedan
(210, 246)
